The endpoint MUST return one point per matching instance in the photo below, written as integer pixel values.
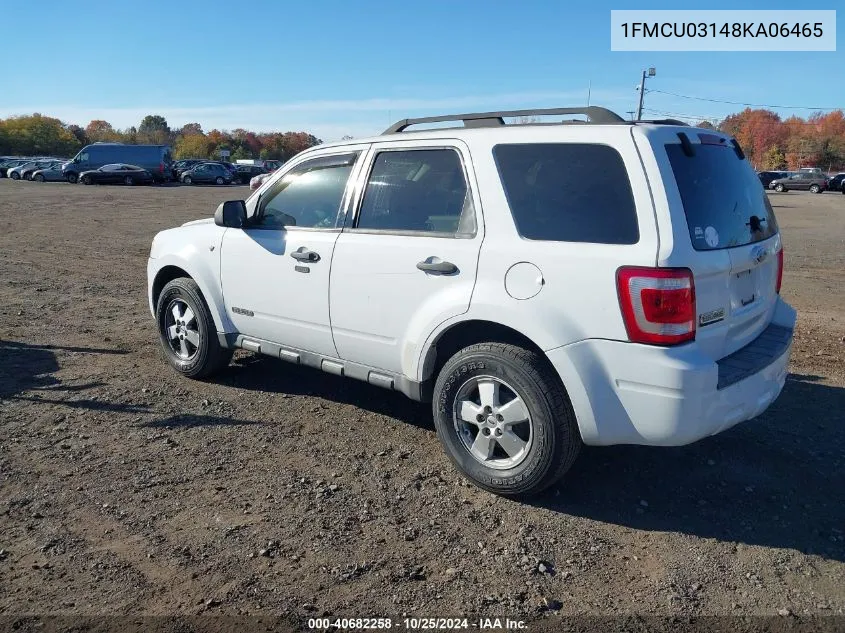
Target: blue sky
(337, 68)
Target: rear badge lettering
(248, 313)
(711, 317)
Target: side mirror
(231, 214)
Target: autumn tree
(99, 131)
(191, 128)
(154, 130)
(37, 135)
(192, 146)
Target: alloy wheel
(492, 422)
(181, 329)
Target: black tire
(86, 180)
(219, 180)
(38, 177)
(128, 181)
(556, 440)
(27, 176)
(210, 356)
(780, 188)
(72, 178)
(815, 189)
(187, 180)
(15, 176)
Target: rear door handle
(304, 255)
(437, 267)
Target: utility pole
(650, 73)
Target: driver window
(308, 196)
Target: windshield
(724, 202)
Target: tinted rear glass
(568, 192)
(724, 202)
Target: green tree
(154, 130)
(774, 159)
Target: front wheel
(38, 177)
(128, 181)
(27, 176)
(187, 180)
(780, 188)
(219, 180)
(505, 419)
(187, 332)
(15, 176)
(86, 180)
(815, 189)
(72, 178)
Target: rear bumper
(625, 393)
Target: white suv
(544, 285)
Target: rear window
(568, 192)
(723, 200)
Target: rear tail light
(780, 271)
(161, 167)
(658, 304)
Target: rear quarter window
(568, 192)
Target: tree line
(38, 135)
(769, 141)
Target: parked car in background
(6, 165)
(245, 173)
(802, 181)
(117, 173)
(256, 181)
(50, 173)
(17, 173)
(207, 173)
(156, 159)
(181, 166)
(27, 172)
(768, 176)
(836, 183)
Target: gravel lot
(280, 491)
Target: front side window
(568, 192)
(418, 191)
(309, 196)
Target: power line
(753, 105)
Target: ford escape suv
(543, 285)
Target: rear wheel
(72, 178)
(780, 188)
(815, 189)
(187, 180)
(15, 176)
(38, 177)
(219, 180)
(128, 181)
(86, 180)
(187, 332)
(27, 176)
(505, 419)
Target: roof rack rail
(495, 119)
(664, 122)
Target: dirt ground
(276, 490)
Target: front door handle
(438, 267)
(304, 255)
